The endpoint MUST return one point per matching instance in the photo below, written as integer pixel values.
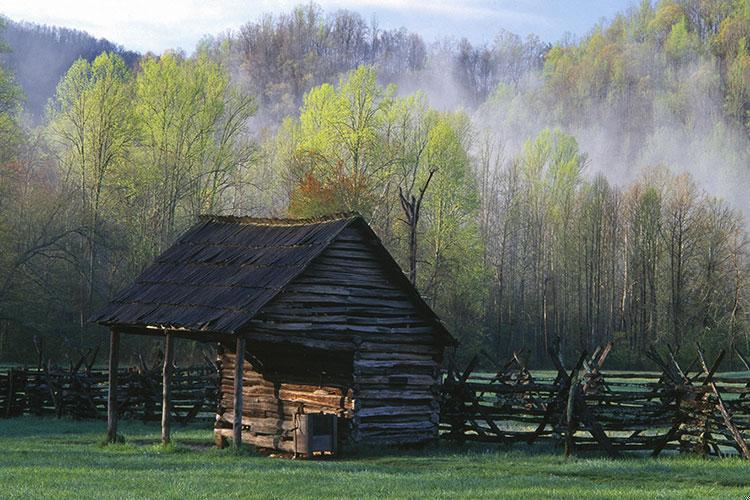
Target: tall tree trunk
(412, 206)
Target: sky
(157, 25)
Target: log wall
(273, 398)
(346, 303)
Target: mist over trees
(40, 55)
(589, 190)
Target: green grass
(64, 459)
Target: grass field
(64, 459)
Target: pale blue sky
(156, 25)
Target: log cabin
(322, 338)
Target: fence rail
(693, 409)
(690, 410)
(83, 393)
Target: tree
(681, 232)
(411, 138)
(450, 207)
(192, 142)
(92, 128)
(10, 106)
(342, 142)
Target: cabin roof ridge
(279, 221)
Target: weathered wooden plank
(393, 365)
(166, 406)
(411, 379)
(260, 440)
(278, 337)
(411, 426)
(739, 439)
(114, 359)
(343, 291)
(395, 394)
(378, 411)
(238, 380)
(385, 356)
(321, 328)
(339, 317)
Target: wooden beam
(570, 413)
(710, 373)
(239, 372)
(595, 429)
(742, 446)
(166, 401)
(208, 337)
(114, 360)
(11, 393)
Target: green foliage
(10, 106)
(451, 241)
(123, 162)
(738, 85)
(341, 142)
(356, 143)
(668, 14)
(92, 122)
(191, 138)
(681, 44)
(518, 242)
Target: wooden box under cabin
(330, 325)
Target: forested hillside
(39, 56)
(592, 189)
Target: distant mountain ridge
(40, 55)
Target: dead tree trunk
(412, 206)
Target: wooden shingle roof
(221, 272)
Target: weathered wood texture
(222, 272)
(82, 393)
(114, 360)
(272, 400)
(587, 408)
(166, 399)
(323, 306)
(237, 399)
(358, 330)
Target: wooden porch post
(114, 358)
(239, 372)
(166, 401)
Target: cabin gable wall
(346, 305)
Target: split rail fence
(685, 409)
(690, 409)
(81, 392)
